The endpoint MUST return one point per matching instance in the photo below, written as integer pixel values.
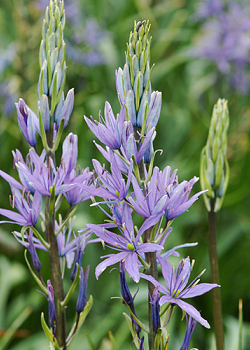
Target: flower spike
(214, 166)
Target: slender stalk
(151, 260)
(55, 267)
(216, 294)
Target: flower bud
(133, 81)
(155, 310)
(70, 152)
(127, 297)
(214, 171)
(82, 299)
(53, 68)
(31, 248)
(44, 105)
(52, 308)
(28, 122)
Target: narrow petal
(17, 218)
(198, 289)
(132, 267)
(190, 310)
(157, 284)
(111, 260)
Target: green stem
(216, 294)
(151, 260)
(54, 263)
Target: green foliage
(190, 87)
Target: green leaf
(36, 233)
(77, 325)
(142, 325)
(44, 289)
(151, 165)
(72, 287)
(51, 200)
(54, 92)
(67, 219)
(59, 135)
(136, 170)
(8, 335)
(42, 131)
(63, 82)
(157, 339)
(49, 333)
(134, 335)
(112, 339)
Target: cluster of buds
(134, 87)
(53, 69)
(214, 170)
(53, 109)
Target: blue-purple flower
(163, 195)
(154, 299)
(28, 122)
(29, 208)
(31, 248)
(52, 308)
(130, 147)
(39, 175)
(188, 334)
(127, 297)
(129, 246)
(82, 299)
(64, 109)
(79, 244)
(209, 8)
(111, 186)
(176, 288)
(108, 130)
(224, 40)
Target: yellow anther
(130, 246)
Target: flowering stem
(56, 278)
(54, 263)
(216, 294)
(151, 260)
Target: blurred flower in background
(224, 39)
(7, 86)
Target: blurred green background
(96, 34)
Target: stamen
(157, 185)
(103, 169)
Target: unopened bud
(214, 172)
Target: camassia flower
(127, 244)
(108, 130)
(177, 289)
(112, 185)
(28, 122)
(29, 208)
(163, 195)
(130, 147)
(39, 175)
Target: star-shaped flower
(176, 288)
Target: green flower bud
(214, 170)
(134, 87)
(52, 61)
(135, 75)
